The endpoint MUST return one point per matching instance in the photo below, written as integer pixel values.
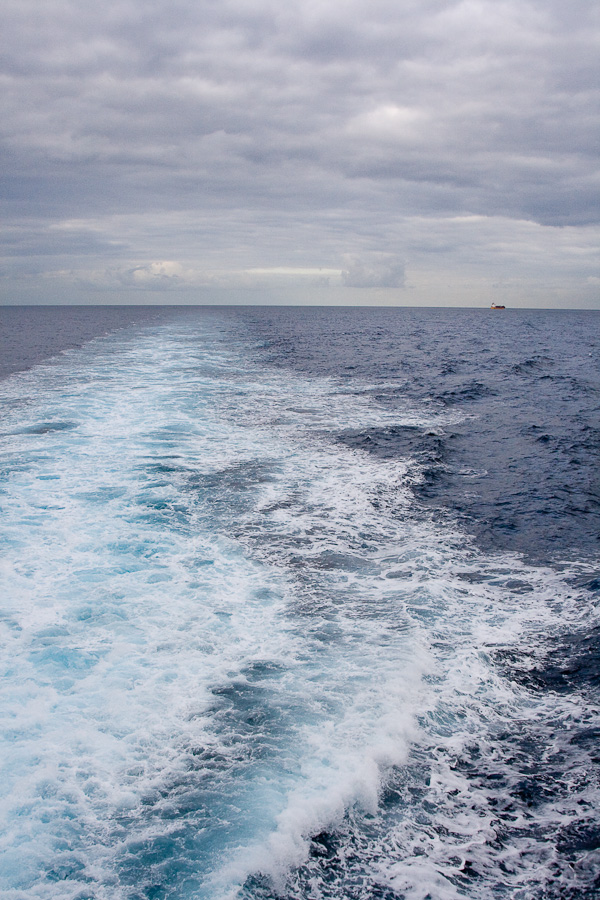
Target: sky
(370, 152)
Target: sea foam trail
(238, 659)
(162, 708)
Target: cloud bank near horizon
(252, 151)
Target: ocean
(299, 604)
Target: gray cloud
(378, 271)
(268, 134)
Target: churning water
(300, 604)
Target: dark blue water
(300, 603)
(520, 464)
(31, 334)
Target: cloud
(378, 271)
(155, 275)
(243, 135)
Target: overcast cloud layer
(339, 151)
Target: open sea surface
(299, 604)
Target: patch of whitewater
(225, 634)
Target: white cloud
(378, 270)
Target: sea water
(299, 604)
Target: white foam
(193, 554)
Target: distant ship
(497, 306)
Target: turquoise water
(242, 658)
